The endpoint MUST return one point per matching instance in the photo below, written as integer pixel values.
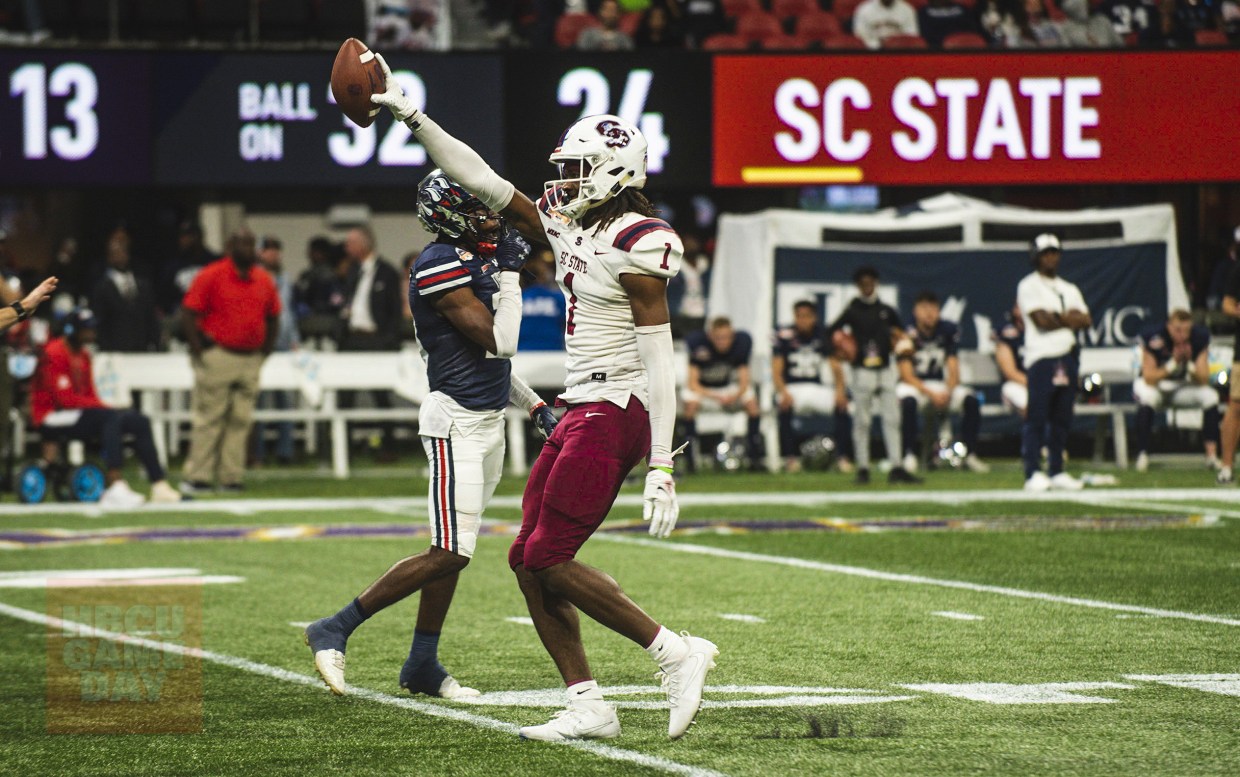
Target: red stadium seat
(737, 8)
(905, 42)
(1208, 38)
(844, 43)
(758, 26)
(629, 22)
(725, 42)
(965, 40)
(843, 9)
(818, 26)
(785, 43)
(570, 25)
(798, 8)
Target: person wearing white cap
(1053, 311)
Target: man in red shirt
(65, 406)
(230, 320)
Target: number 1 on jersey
(569, 326)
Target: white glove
(659, 503)
(393, 98)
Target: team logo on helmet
(616, 136)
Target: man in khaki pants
(230, 319)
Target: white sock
(586, 690)
(667, 648)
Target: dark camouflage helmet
(446, 208)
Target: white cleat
(330, 666)
(1065, 482)
(910, 462)
(1038, 481)
(974, 464)
(1143, 462)
(451, 689)
(684, 683)
(119, 496)
(584, 720)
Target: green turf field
(941, 631)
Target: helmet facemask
(598, 157)
(446, 208)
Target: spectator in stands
(687, 292)
(124, 304)
(1001, 22)
(878, 335)
(1040, 30)
(372, 318)
(1141, 19)
(719, 379)
(874, 20)
(699, 19)
(1175, 372)
(404, 24)
(658, 30)
(940, 18)
(1231, 419)
(799, 369)
(179, 272)
(542, 306)
(607, 36)
(271, 259)
(64, 405)
(230, 316)
(319, 292)
(930, 381)
(1054, 311)
(1009, 340)
(1083, 29)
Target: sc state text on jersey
(574, 263)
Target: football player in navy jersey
(1009, 338)
(465, 297)
(799, 368)
(720, 379)
(930, 377)
(1175, 372)
(614, 257)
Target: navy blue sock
(908, 425)
(1145, 421)
(348, 619)
(422, 671)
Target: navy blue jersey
(456, 365)
(717, 369)
(933, 350)
(1139, 17)
(803, 355)
(1157, 340)
(1013, 337)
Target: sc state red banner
(972, 119)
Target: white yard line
(1179, 507)
(895, 577)
(284, 675)
(416, 505)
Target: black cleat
(863, 477)
(902, 475)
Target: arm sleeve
(507, 322)
(652, 246)
(438, 271)
(522, 395)
(654, 346)
(463, 163)
(1078, 300)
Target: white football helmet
(612, 157)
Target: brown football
(356, 75)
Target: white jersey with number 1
(599, 336)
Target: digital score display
(269, 120)
(667, 97)
(74, 118)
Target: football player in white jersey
(614, 258)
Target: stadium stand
(965, 40)
(904, 42)
(818, 27)
(757, 26)
(570, 25)
(725, 42)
